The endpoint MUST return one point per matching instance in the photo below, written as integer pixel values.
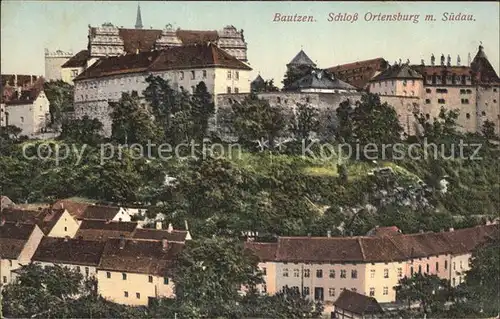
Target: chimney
(458, 60)
(422, 62)
(451, 229)
(66, 238)
(159, 225)
(164, 244)
(170, 227)
(329, 234)
(122, 242)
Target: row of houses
(132, 264)
(322, 267)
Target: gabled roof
(75, 209)
(101, 230)
(384, 231)
(175, 58)
(258, 80)
(13, 237)
(357, 303)
(139, 256)
(78, 60)
(28, 95)
(159, 234)
(301, 59)
(69, 251)
(359, 73)
(100, 212)
(399, 72)
(6, 202)
(264, 251)
(44, 218)
(320, 80)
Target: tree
(132, 123)
(84, 131)
(255, 119)
(442, 127)
(161, 98)
(429, 291)
(60, 96)
(344, 130)
(203, 108)
(210, 274)
(488, 130)
(295, 73)
(482, 281)
(306, 121)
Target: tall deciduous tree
(306, 121)
(60, 96)
(203, 109)
(295, 73)
(84, 130)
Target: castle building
(54, 62)
(183, 66)
(425, 89)
(109, 40)
(359, 73)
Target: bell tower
(138, 19)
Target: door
(318, 293)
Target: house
(18, 243)
(53, 222)
(101, 230)
(27, 108)
(6, 202)
(353, 305)
(135, 271)
(76, 209)
(90, 211)
(359, 73)
(320, 81)
(170, 234)
(79, 254)
(322, 267)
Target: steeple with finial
(138, 20)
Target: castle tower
(138, 19)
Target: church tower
(138, 20)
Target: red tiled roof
(442, 69)
(13, 237)
(23, 80)
(264, 251)
(357, 303)
(175, 58)
(101, 230)
(197, 37)
(78, 60)
(44, 218)
(75, 209)
(359, 73)
(384, 231)
(27, 96)
(70, 251)
(139, 256)
(158, 234)
(374, 249)
(100, 212)
(142, 39)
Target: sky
(28, 27)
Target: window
(400, 272)
(483, 113)
(138, 295)
(264, 288)
(305, 291)
(441, 101)
(22, 119)
(181, 75)
(108, 274)
(404, 83)
(441, 91)
(165, 280)
(150, 278)
(461, 267)
(124, 276)
(74, 73)
(419, 269)
(4, 279)
(87, 271)
(331, 292)
(343, 273)
(437, 266)
(204, 73)
(446, 264)
(465, 101)
(278, 99)
(469, 91)
(285, 272)
(386, 273)
(236, 90)
(494, 101)
(372, 292)
(264, 271)
(453, 282)
(308, 99)
(65, 228)
(319, 273)
(125, 293)
(237, 75)
(354, 273)
(307, 273)
(332, 273)
(296, 272)
(78, 268)
(494, 90)
(193, 75)
(386, 291)
(372, 273)
(228, 90)
(229, 75)
(454, 266)
(427, 268)
(462, 91)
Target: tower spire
(138, 20)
